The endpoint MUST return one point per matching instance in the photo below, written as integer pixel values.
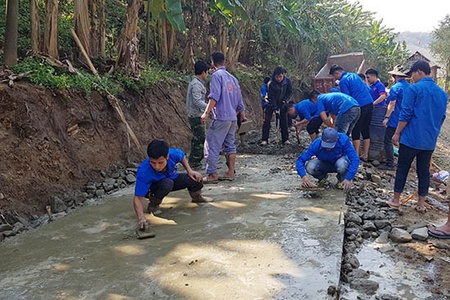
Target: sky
(408, 15)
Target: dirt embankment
(53, 142)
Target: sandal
(209, 181)
(421, 210)
(391, 205)
(226, 178)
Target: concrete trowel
(144, 232)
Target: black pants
(162, 188)
(268, 113)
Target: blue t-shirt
(146, 175)
(335, 103)
(423, 108)
(352, 85)
(396, 94)
(262, 95)
(376, 90)
(305, 109)
(342, 148)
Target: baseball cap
(421, 65)
(329, 138)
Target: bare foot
(393, 204)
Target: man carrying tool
(225, 103)
(279, 92)
(334, 154)
(157, 176)
(421, 117)
(344, 110)
(309, 117)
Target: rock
(398, 235)
(18, 227)
(100, 192)
(57, 204)
(108, 188)
(376, 163)
(374, 234)
(109, 181)
(358, 274)
(2, 196)
(90, 188)
(441, 245)
(420, 234)
(2, 237)
(352, 231)
(380, 224)
(131, 170)
(351, 237)
(370, 215)
(352, 217)
(9, 233)
(383, 238)
(387, 297)
(352, 260)
(115, 175)
(365, 285)
(417, 225)
(385, 248)
(380, 215)
(5, 227)
(130, 178)
(365, 234)
(376, 179)
(369, 226)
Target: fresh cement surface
(262, 238)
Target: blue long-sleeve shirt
(343, 147)
(352, 85)
(396, 94)
(305, 109)
(146, 175)
(335, 103)
(423, 108)
(376, 90)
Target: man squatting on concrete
(334, 154)
(344, 110)
(352, 85)
(157, 176)
(421, 118)
(195, 106)
(225, 101)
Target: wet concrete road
(263, 238)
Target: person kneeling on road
(334, 154)
(157, 176)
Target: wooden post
(83, 51)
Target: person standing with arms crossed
(195, 106)
(225, 102)
(421, 117)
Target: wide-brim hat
(399, 70)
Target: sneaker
(154, 209)
(263, 143)
(322, 182)
(386, 167)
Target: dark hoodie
(279, 92)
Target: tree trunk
(129, 40)
(51, 29)
(164, 48)
(82, 24)
(10, 48)
(98, 28)
(35, 26)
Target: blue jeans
(346, 122)
(220, 133)
(388, 147)
(406, 156)
(319, 169)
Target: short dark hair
(278, 70)
(421, 65)
(200, 67)
(335, 68)
(218, 58)
(362, 76)
(266, 79)
(372, 72)
(313, 94)
(157, 148)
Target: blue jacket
(396, 94)
(146, 175)
(335, 103)
(343, 147)
(423, 108)
(305, 109)
(376, 90)
(352, 85)
(262, 95)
